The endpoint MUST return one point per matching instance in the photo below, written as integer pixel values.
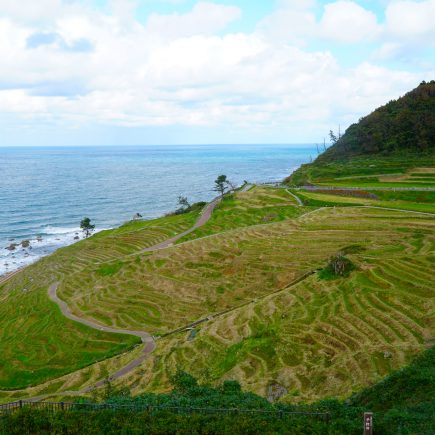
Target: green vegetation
(338, 266)
(401, 126)
(412, 200)
(310, 340)
(86, 226)
(37, 342)
(316, 339)
(257, 206)
(366, 172)
(382, 149)
(402, 403)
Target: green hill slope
(391, 140)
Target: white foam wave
(11, 260)
(48, 230)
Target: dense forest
(401, 126)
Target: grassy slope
(259, 205)
(318, 339)
(36, 342)
(417, 201)
(402, 402)
(366, 171)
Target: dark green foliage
(338, 266)
(86, 226)
(402, 403)
(392, 139)
(191, 207)
(403, 125)
(157, 422)
(413, 385)
(221, 184)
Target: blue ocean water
(46, 191)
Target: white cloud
(205, 18)
(181, 69)
(40, 10)
(346, 21)
(411, 19)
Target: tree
(231, 185)
(333, 137)
(182, 200)
(86, 226)
(221, 184)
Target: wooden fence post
(368, 423)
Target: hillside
(391, 141)
(402, 403)
(250, 274)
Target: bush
(338, 266)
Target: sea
(46, 191)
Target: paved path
(202, 220)
(299, 201)
(146, 338)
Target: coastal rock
(25, 243)
(76, 238)
(39, 238)
(12, 247)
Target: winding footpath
(147, 339)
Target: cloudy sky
(77, 72)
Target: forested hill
(402, 126)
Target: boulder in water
(12, 247)
(25, 243)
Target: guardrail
(92, 407)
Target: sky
(138, 72)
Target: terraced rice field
(315, 339)
(36, 342)
(24, 341)
(320, 338)
(179, 285)
(258, 205)
(413, 200)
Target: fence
(90, 407)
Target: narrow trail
(202, 220)
(147, 339)
(298, 200)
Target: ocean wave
(49, 230)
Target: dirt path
(202, 220)
(146, 338)
(299, 201)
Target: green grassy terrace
(314, 339)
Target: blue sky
(115, 72)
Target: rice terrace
(304, 302)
